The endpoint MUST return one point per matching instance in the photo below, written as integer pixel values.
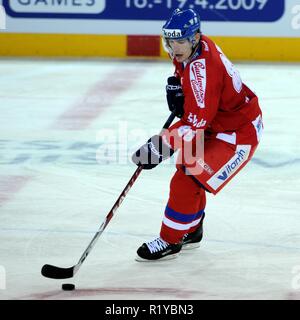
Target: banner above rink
(262, 18)
(210, 10)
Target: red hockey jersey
(216, 99)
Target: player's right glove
(153, 152)
(175, 96)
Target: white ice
(251, 245)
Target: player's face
(182, 49)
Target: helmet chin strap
(195, 47)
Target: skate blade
(190, 246)
(169, 257)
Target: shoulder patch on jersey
(206, 48)
(198, 81)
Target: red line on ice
(10, 186)
(99, 97)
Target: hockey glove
(175, 96)
(153, 152)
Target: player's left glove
(175, 96)
(153, 152)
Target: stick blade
(54, 272)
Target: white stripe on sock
(179, 226)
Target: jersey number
(232, 71)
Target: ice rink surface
(67, 131)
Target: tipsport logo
(2, 18)
(54, 8)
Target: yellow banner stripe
(62, 45)
(115, 46)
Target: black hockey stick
(54, 272)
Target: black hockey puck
(68, 286)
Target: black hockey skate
(158, 249)
(192, 240)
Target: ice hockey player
(218, 114)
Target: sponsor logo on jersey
(206, 48)
(241, 155)
(205, 166)
(258, 125)
(172, 33)
(198, 81)
(192, 118)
